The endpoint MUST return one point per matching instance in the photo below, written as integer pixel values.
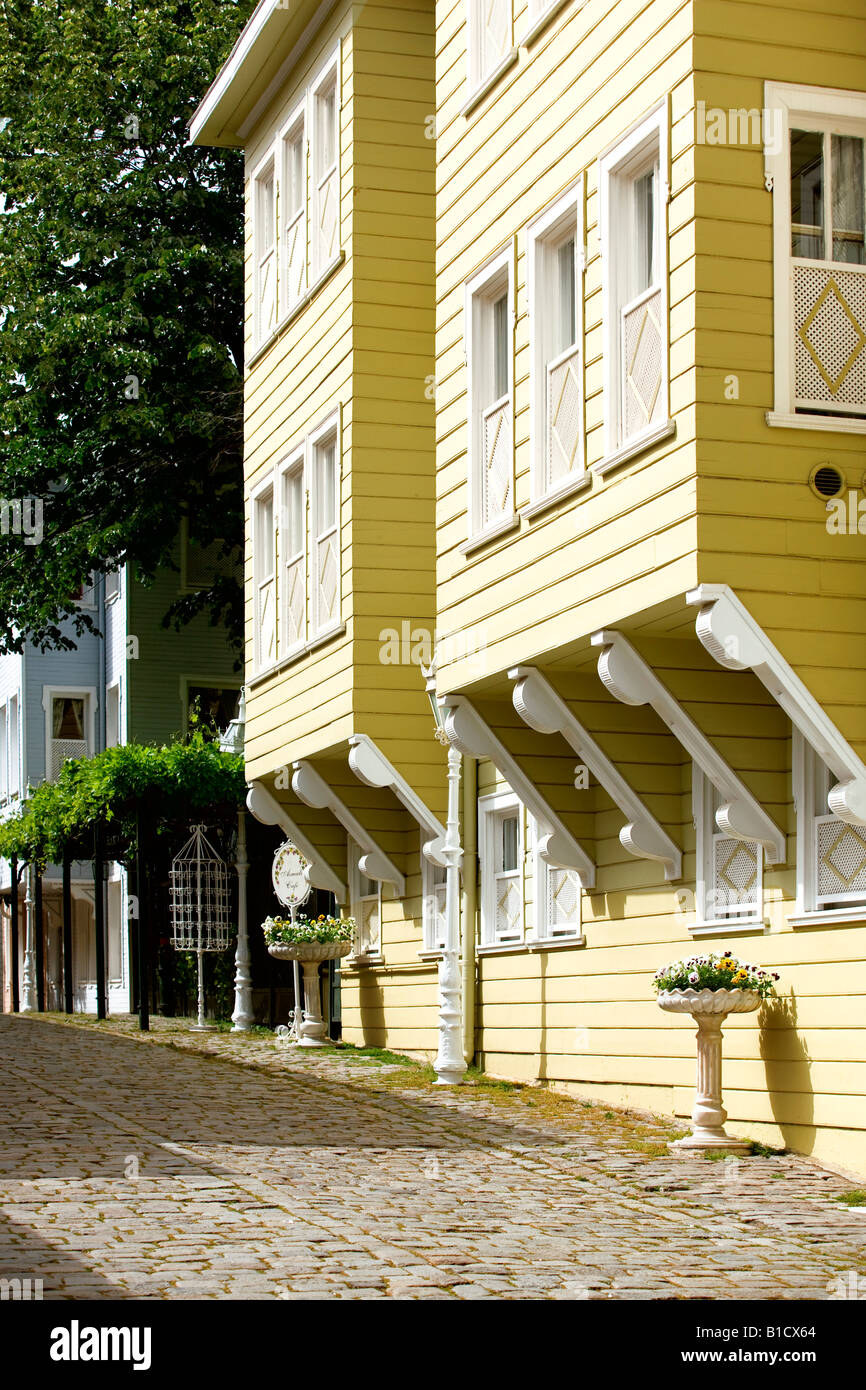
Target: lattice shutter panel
(563, 901)
(369, 927)
(327, 579)
(830, 338)
(267, 296)
(328, 218)
(267, 623)
(296, 257)
(563, 416)
(295, 603)
(736, 878)
(496, 31)
(496, 445)
(841, 860)
(440, 920)
(508, 907)
(642, 363)
(63, 749)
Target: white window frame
(433, 901)
(492, 810)
(709, 915)
(115, 686)
(330, 426)
(14, 744)
(479, 73)
(267, 164)
(50, 693)
(545, 234)
(4, 754)
(330, 72)
(809, 777)
(296, 126)
(268, 484)
(357, 899)
(618, 168)
(294, 465)
(545, 930)
(841, 112)
(481, 292)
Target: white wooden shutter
(326, 539)
(294, 213)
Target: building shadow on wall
(788, 1069)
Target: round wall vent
(826, 481)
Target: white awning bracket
(539, 706)
(313, 790)
(631, 680)
(730, 634)
(266, 809)
(471, 735)
(371, 767)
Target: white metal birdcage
(199, 903)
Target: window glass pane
(807, 193)
(266, 213)
(565, 303)
(293, 521)
(326, 108)
(508, 848)
(500, 347)
(265, 537)
(68, 718)
(645, 231)
(326, 458)
(295, 174)
(849, 200)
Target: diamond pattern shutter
(829, 337)
(642, 349)
(295, 224)
(736, 885)
(495, 33)
(62, 749)
(440, 920)
(563, 416)
(497, 460)
(840, 856)
(563, 902)
(369, 927)
(267, 623)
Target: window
(831, 855)
(293, 212)
(215, 706)
(14, 749)
(112, 585)
(69, 715)
(632, 183)
(366, 899)
(489, 38)
(264, 251)
(556, 261)
(433, 884)
(729, 877)
(325, 506)
(4, 753)
(325, 179)
(817, 174)
(489, 318)
(502, 891)
(112, 716)
(293, 558)
(264, 580)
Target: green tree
(121, 303)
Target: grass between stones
(855, 1198)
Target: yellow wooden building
(556, 336)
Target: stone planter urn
(310, 954)
(709, 1008)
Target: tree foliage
(121, 301)
(167, 786)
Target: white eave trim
(730, 634)
(371, 767)
(313, 790)
(268, 811)
(469, 733)
(539, 706)
(630, 679)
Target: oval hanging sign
(289, 874)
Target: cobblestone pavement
(188, 1166)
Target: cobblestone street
(188, 1166)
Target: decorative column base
(709, 1115)
(313, 1029)
(450, 1064)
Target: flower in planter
(714, 972)
(281, 931)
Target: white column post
(242, 1016)
(450, 1064)
(29, 998)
